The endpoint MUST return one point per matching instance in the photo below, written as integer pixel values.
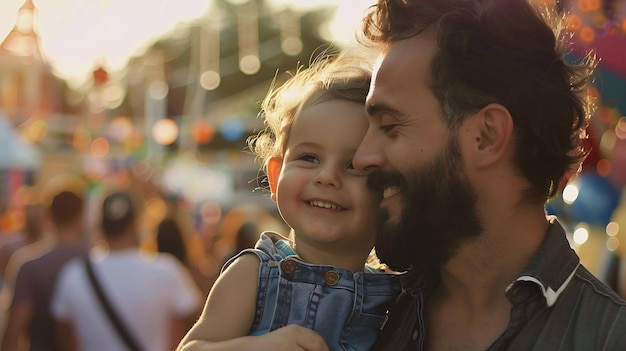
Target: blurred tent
(15, 154)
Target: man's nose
(368, 156)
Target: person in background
(247, 236)
(476, 119)
(170, 240)
(31, 231)
(153, 294)
(29, 324)
(315, 123)
(235, 223)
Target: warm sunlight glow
(8, 16)
(77, 36)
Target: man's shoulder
(592, 290)
(31, 256)
(589, 314)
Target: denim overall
(347, 309)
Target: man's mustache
(380, 179)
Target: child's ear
(274, 165)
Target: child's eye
(350, 165)
(308, 158)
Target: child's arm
(229, 312)
(290, 338)
(230, 307)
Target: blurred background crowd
(157, 98)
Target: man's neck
(470, 301)
(124, 241)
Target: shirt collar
(553, 266)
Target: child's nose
(328, 175)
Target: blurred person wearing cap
(29, 324)
(153, 295)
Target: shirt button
(289, 266)
(416, 333)
(331, 277)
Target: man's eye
(387, 127)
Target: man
(475, 118)
(152, 294)
(28, 321)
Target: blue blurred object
(554, 207)
(233, 129)
(596, 201)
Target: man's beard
(438, 215)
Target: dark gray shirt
(34, 285)
(557, 305)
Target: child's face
(319, 194)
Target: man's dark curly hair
(508, 52)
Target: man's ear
(493, 130)
(274, 165)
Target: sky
(77, 35)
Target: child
(315, 123)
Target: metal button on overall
(331, 277)
(289, 266)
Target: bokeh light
(588, 5)
(612, 243)
(202, 132)
(570, 193)
(612, 229)
(120, 128)
(581, 235)
(81, 140)
(165, 131)
(99, 147)
(587, 34)
(250, 64)
(292, 46)
(603, 167)
(233, 129)
(210, 80)
(158, 90)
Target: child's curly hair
(345, 76)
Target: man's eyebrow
(373, 109)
